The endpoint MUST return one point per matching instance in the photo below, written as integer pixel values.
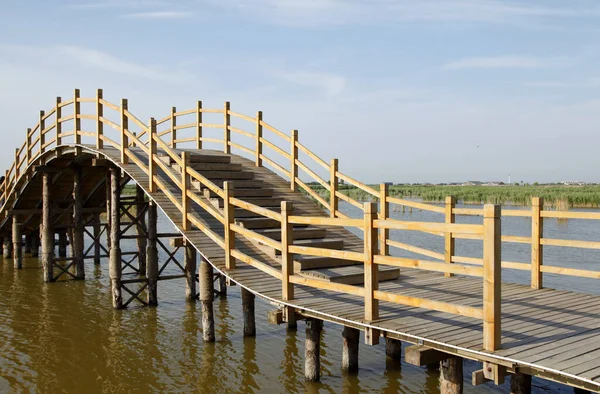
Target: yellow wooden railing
(142, 144)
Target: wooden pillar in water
(393, 348)
(62, 243)
(35, 244)
(78, 228)
(17, 239)
(97, 229)
(141, 229)
(248, 312)
(7, 249)
(451, 376)
(114, 268)
(312, 350)
(206, 299)
(152, 255)
(351, 338)
(28, 238)
(46, 231)
(222, 286)
(190, 272)
(520, 383)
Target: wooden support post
(76, 114)
(248, 312)
(28, 146)
(152, 255)
(226, 126)
(222, 286)
(124, 126)
(78, 227)
(62, 243)
(57, 122)
(173, 144)
(190, 272)
(384, 213)
(152, 153)
(393, 348)
(114, 268)
(449, 237)
(520, 383)
(42, 134)
(199, 125)
(293, 160)
(333, 187)
(46, 231)
(351, 338)
(35, 244)
(107, 187)
(7, 247)
(259, 135)
(97, 230)
(17, 239)
(451, 376)
(537, 231)
(492, 277)
(2, 246)
(287, 261)
(228, 210)
(312, 350)
(140, 199)
(206, 299)
(27, 243)
(371, 272)
(99, 116)
(185, 185)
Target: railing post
(173, 126)
(259, 133)
(384, 213)
(287, 260)
(16, 163)
(42, 134)
(99, 116)
(492, 277)
(124, 126)
(76, 113)
(151, 154)
(293, 159)
(199, 125)
(449, 237)
(371, 272)
(185, 184)
(537, 231)
(333, 187)
(58, 124)
(28, 147)
(229, 213)
(227, 131)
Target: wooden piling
(206, 299)
(97, 230)
(27, 246)
(393, 348)
(17, 239)
(62, 243)
(78, 228)
(46, 231)
(114, 268)
(222, 286)
(520, 383)
(152, 255)
(35, 244)
(312, 350)
(140, 198)
(351, 338)
(248, 313)
(451, 376)
(190, 272)
(7, 248)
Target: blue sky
(403, 91)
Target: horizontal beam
(39, 211)
(420, 355)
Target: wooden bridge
(249, 212)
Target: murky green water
(65, 337)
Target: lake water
(65, 336)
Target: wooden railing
(145, 144)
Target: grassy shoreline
(556, 196)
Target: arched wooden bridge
(244, 208)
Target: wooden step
(226, 176)
(350, 275)
(239, 184)
(325, 243)
(303, 263)
(198, 158)
(261, 202)
(243, 193)
(202, 167)
(262, 222)
(299, 233)
(240, 213)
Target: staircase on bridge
(261, 187)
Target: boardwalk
(254, 220)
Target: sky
(397, 90)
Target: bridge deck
(549, 333)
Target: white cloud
(332, 85)
(522, 62)
(158, 15)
